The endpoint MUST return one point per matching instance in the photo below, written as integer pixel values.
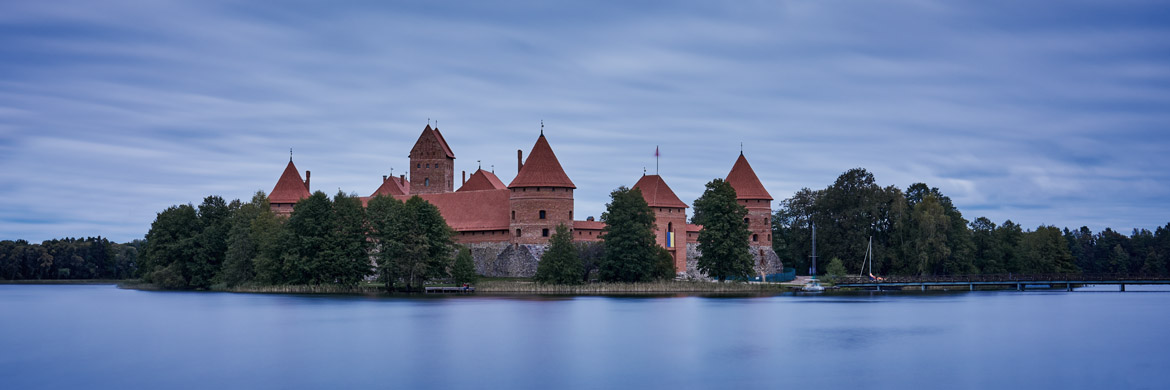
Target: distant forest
(920, 232)
(68, 258)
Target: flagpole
(655, 159)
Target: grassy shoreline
(505, 287)
(65, 281)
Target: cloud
(1044, 113)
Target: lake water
(98, 336)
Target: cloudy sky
(1043, 112)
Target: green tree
(1046, 251)
(426, 247)
(267, 230)
(1154, 264)
(389, 229)
(464, 269)
(988, 253)
(835, 269)
(664, 265)
(214, 220)
(591, 254)
(171, 247)
(238, 265)
(347, 260)
(560, 263)
(723, 242)
(629, 238)
(306, 238)
(1119, 260)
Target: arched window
(542, 215)
(670, 226)
(427, 183)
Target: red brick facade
(528, 210)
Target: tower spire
(542, 127)
(289, 154)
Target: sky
(1042, 112)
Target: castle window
(570, 215)
(517, 232)
(746, 221)
(428, 165)
(418, 165)
(541, 214)
(755, 237)
(513, 215)
(670, 226)
(544, 232)
(427, 183)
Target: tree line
(323, 241)
(919, 231)
(68, 258)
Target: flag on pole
(655, 151)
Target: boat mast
(813, 270)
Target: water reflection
(102, 337)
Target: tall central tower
(432, 164)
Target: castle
(508, 226)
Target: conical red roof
(482, 180)
(541, 169)
(657, 193)
(745, 182)
(393, 186)
(290, 188)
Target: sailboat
(869, 260)
(813, 285)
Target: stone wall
(765, 259)
(502, 259)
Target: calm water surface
(104, 337)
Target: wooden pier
(449, 290)
(1019, 282)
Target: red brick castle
(507, 227)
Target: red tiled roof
(694, 228)
(393, 186)
(290, 188)
(443, 142)
(745, 182)
(541, 169)
(588, 225)
(482, 180)
(471, 210)
(429, 132)
(657, 193)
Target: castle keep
(508, 226)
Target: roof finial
(428, 122)
(542, 127)
(741, 148)
(643, 171)
(493, 168)
(436, 123)
(480, 163)
(391, 171)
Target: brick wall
(527, 203)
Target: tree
(835, 269)
(591, 254)
(988, 253)
(238, 267)
(214, 220)
(1046, 251)
(1119, 260)
(267, 230)
(306, 239)
(464, 269)
(664, 265)
(388, 231)
(560, 263)
(347, 261)
(171, 247)
(425, 251)
(629, 238)
(723, 242)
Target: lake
(99, 336)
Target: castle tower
(432, 164)
(541, 196)
(670, 218)
(289, 190)
(751, 194)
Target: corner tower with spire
(670, 218)
(289, 189)
(750, 193)
(540, 197)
